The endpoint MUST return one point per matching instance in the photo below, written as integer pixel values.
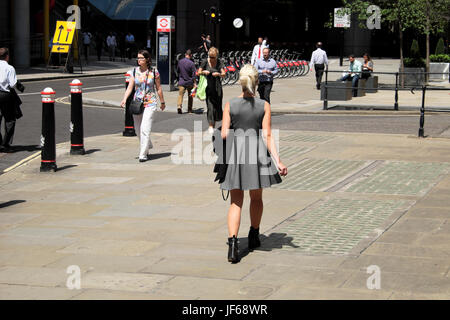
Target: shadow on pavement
(30, 148)
(10, 203)
(156, 156)
(275, 241)
(66, 167)
(93, 151)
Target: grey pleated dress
(250, 166)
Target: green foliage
(415, 50)
(414, 63)
(440, 58)
(439, 47)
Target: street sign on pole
(341, 18)
(165, 45)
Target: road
(101, 120)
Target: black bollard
(422, 114)
(129, 122)
(76, 118)
(48, 144)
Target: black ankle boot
(233, 250)
(253, 238)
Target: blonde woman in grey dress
(250, 166)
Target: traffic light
(214, 15)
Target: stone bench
(372, 84)
(362, 85)
(335, 92)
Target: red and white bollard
(48, 144)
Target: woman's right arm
(270, 143)
(127, 92)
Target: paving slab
(160, 229)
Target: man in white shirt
(258, 50)
(319, 59)
(8, 80)
(353, 74)
(112, 44)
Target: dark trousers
(264, 89)
(7, 111)
(319, 68)
(354, 80)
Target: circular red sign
(163, 23)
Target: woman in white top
(146, 83)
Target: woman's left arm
(159, 90)
(226, 121)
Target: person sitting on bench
(353, 74)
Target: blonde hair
(248, 77)
(213, 50)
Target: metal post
(396, 92)
(325, 93)
(76, 118)
(48, 144)
(422, 113)
(129, 122)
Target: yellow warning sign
(64, 33)
(60, 48)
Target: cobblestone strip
(400, 178)
(334, 226)
(319, 174)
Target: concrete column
(21, 32)
(181, 24)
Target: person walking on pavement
(213, 68)
(208, 42)
(129, 43)
(112, 44)
(147, 84)
(8, 98)
(319, 59)
(267, 68)
(99, 45)
(87, 36)
(186, 80)
(258, 51)
(248, 117)
(353, 73)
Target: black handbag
(137, 106)
(221, 166)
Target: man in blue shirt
(267, 68)
(353, 74)
(186, 80)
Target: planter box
(335, 91)
(439, 67)
(362, 85)
(417, 79)
(372, 84)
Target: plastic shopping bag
(201, 88)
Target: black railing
(396, 89)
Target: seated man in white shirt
(353, 73)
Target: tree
(440, 47)
(426, 16)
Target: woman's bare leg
(234, 213)
(256, 207)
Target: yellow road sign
(64, 32)
(60, 48)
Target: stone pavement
(307, 97)
(157, 230)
